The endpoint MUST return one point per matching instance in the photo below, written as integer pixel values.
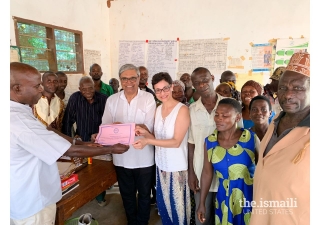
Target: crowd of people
(203, 155)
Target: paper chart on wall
(287, 47)
(91, 57)
(132, 52)
(208, 53)
(261, 57)
(162, 57)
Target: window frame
(51, 44)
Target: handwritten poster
(261, 57)
(161, 57)
(287, 47)
(236, 63)
(132, 52)
(15, 54)
(208, 53)
(91, 57)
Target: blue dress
(249, 123)
(234, 168)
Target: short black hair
(200, 69)
(159, 77)
(94, 64)
(261, 97)
(227, 72)
(60, 73)
(232, 102)
(48, 73)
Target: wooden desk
(93, 179)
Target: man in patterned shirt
(49, 109)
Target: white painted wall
(90, 17)
(244, 21)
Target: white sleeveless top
(170, 159)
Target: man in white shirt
(202, 125)
(135, 167)
(35, 184)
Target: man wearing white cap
(281, 188)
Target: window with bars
(48, 47)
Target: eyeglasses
(131, 79)
(164, 89)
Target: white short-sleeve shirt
(34, 176)
(201, 126)
(141, 110)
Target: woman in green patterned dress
(231, 153)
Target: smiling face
(62, 82)
(224, 90)
(226, 117)
(247, 93)
(163, 91)
(178, 93)
(260, 112)
(87, 90)
(50, 83)
(129, 81)
(202, 82)
(294, 92)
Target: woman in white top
(172, 120)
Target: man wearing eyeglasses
(135, 168)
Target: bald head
(19, 71)
(25, 83)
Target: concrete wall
(244, 22)
(90, 17)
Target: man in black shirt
(85, 108)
